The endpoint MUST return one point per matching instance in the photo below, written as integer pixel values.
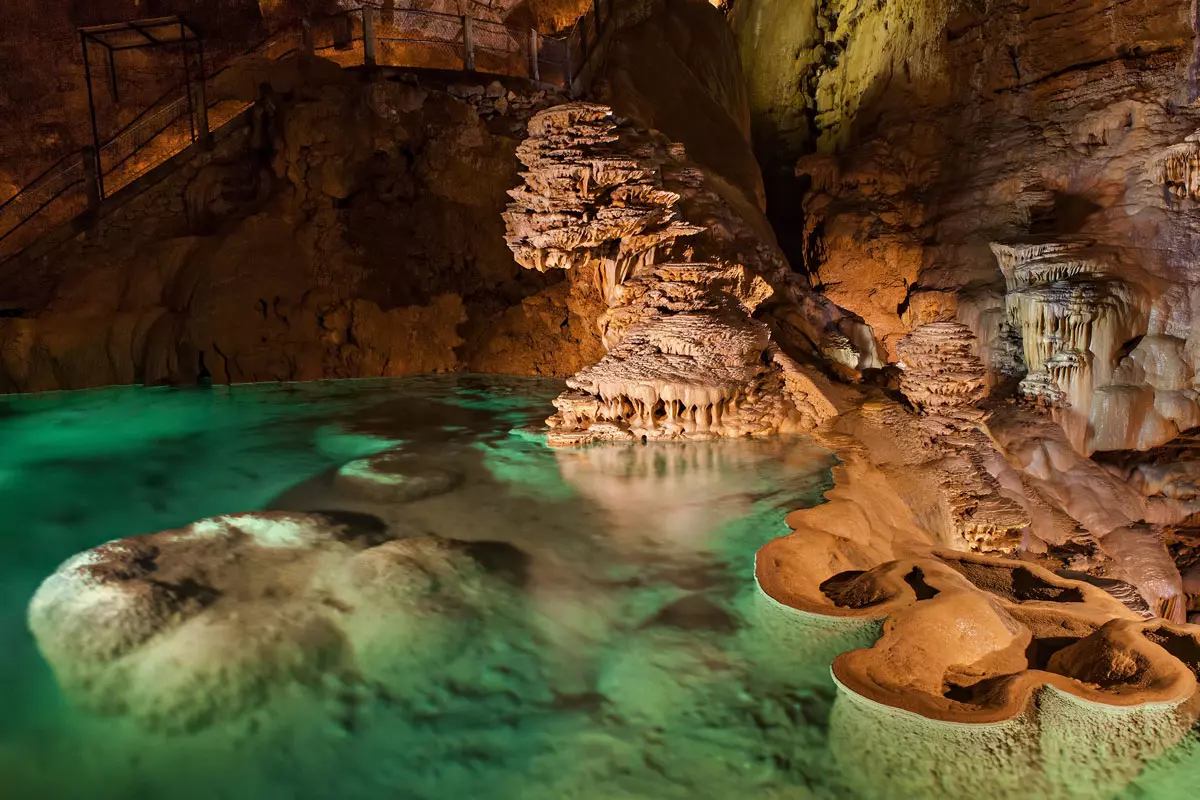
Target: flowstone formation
(614, 204)
(1097, 344)
(1047, 636)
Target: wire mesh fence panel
(149, 141)
(408, 38)
(45, 202)
(339, 38)
(500, 49)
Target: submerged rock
(183, 627)
(394, 477)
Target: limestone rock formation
(606, 201)
(922, 132)
(960, 632)
(180, 628)
(1085, 322)
(941, 370)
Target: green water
(639, 661)
(663, 681)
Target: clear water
(643, 663)
(664, 679)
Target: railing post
(534, 67)
(202, 104)
(468, 44)
(91, 177)
(202, 115)
(368, 36)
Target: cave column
(468, 44)
(368, 14)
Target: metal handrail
(50, 172)
(67, 173)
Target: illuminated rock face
(1089, 343)
(612, 203)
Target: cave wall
(352, 229)
(674, 66)
(928, 129)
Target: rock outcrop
(924, 132)
(612, 204)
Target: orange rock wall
(926, 129)
(302, 248)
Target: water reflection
(617, 648)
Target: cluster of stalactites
(1178, 168)
(690, 375)
(1073, 314)
(592, 197)
(1072, 332)
(940, 369)
(1036, 260)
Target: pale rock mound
(183, 627)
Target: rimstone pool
(553, 623)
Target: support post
(91, 175)
(568, 77)
(468, 45)
(534, 67)
(202, 103)
(112, 76)
(87, 76)
(596, 13)
(187, 82)
(368, 35)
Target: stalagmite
(606, 201)
(941, 371)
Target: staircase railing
(370, 35)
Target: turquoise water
(634, 657)
(641, 662)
